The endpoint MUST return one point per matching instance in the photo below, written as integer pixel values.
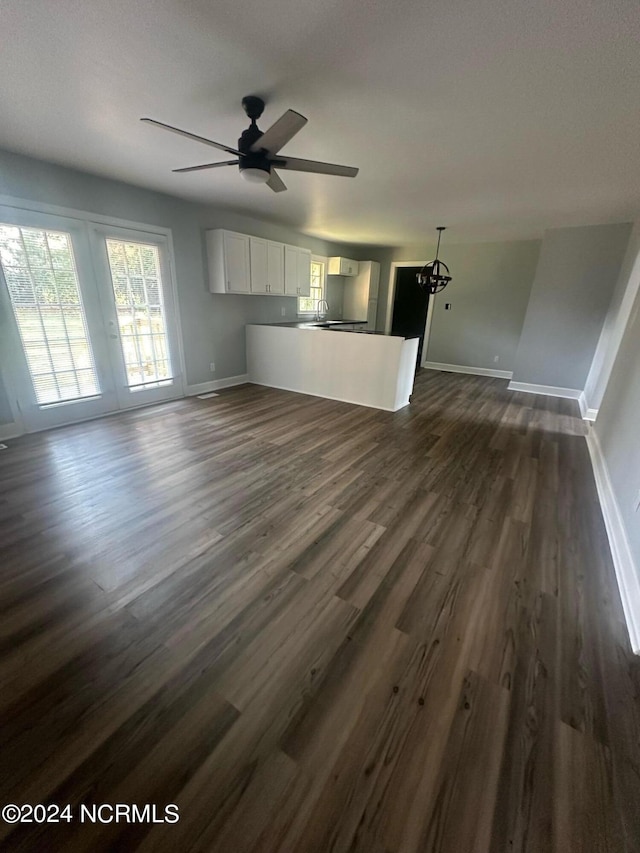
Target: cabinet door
(304, 272)
(291, 271)
(374, 281)
(356, 294)
(275, 268)
(236, 262)
(259, 265)
(348, 267)
(372, 314)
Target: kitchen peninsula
(335, 360)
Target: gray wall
(618, 431)
(613, 329)
(489, 295)
(572, 289)
(6, 415)
(213, 326)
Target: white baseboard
(547, 390)
(215, 385)
(461, 368)
(587, 413)
(627, 573)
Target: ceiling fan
(257, 152)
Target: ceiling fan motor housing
(252, 159)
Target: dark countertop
(333, 326)
(315, 324)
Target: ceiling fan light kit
(255, 174)
(435, 275)
(257, 151)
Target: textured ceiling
(498, 118)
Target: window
(40, 271)
(137, 287)
(309, 304)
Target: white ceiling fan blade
(191, 136)
(314, 166)
(207, 166)
(276, 183)
(280, 132)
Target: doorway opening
(410, 307)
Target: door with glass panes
(87, 322)
(139, 305)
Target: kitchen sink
(328, 324)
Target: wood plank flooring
(317, 627)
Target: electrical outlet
(212, 367)
(496, 359)
(283, 312)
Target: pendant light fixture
(434, 276)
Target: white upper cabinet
(342, 266)
(267, 266)
(275, 267)
(291, 271)
(297, 271)
(259, 265)
(239, 263)
(229, 265)
(361, 291)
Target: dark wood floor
(318, 627)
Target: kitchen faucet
(322, 308)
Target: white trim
(587, 413)
(215, 385)
(463, 368)
(305, 315)
(30, 205)
(431, 307)
(627, 573)
(547, 390)
(583, 405)
(612, 333)
(97, 234)
(431, 310)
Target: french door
(88, 318)
(141, 315)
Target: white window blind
(40, 271)
(309, 304)
(137, 287)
